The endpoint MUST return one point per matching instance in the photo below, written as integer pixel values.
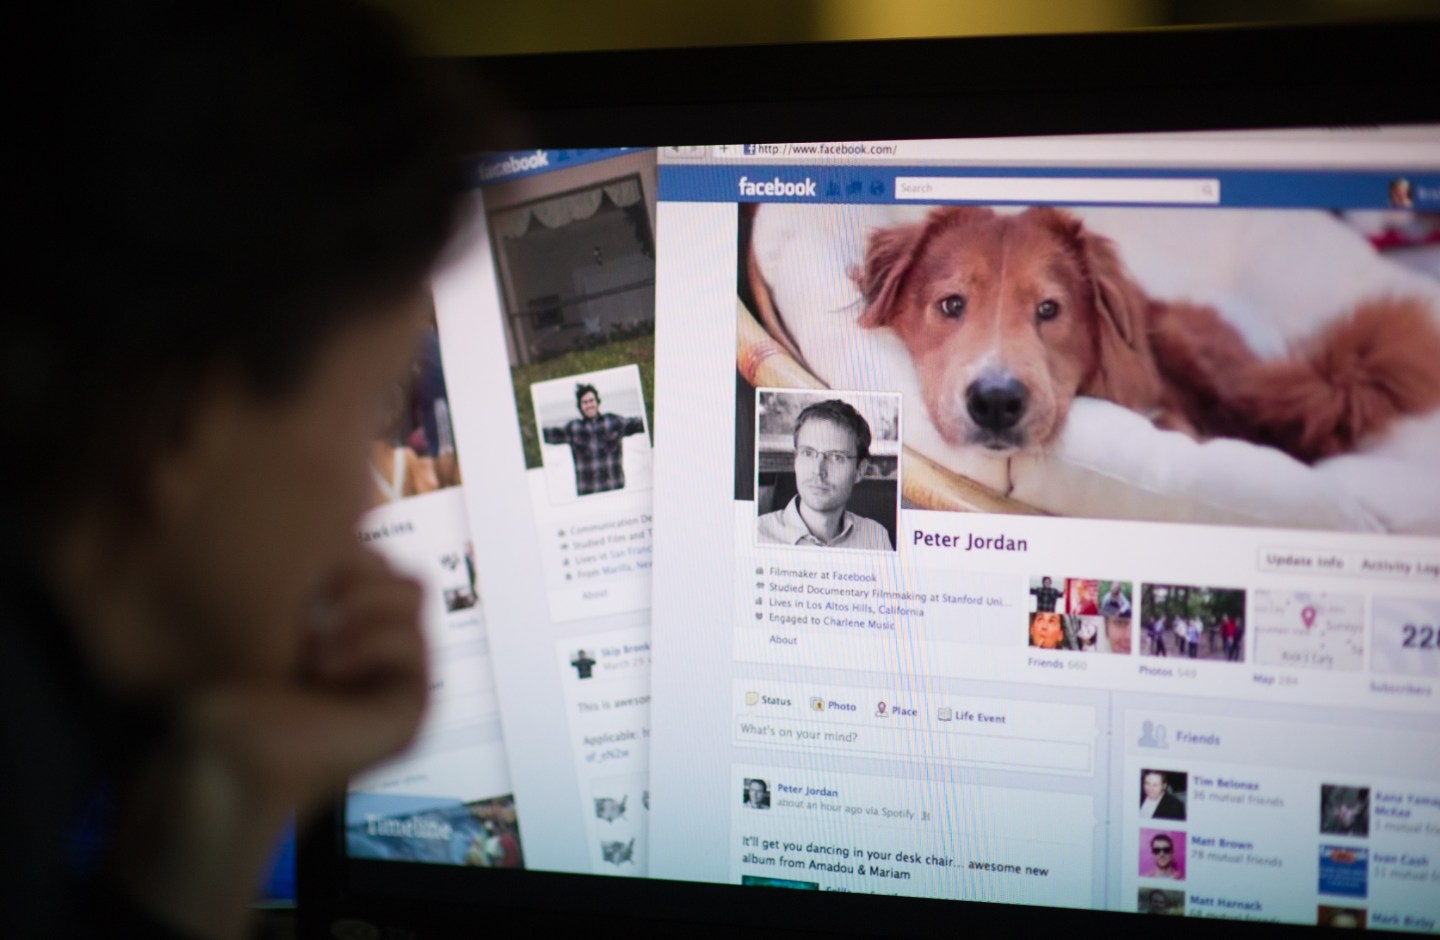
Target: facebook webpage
(548, 316)
(1048, 533)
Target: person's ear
(202, 446)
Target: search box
(1065, 189)
(942, 746)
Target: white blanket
(1278, 276)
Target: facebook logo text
(776, 187)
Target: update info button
(1358, 564)
(1293, 561)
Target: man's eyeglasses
(1162, 850)
(834, 458)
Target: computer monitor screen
(1036, 526)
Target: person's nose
(824, 469)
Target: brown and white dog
(1009, 317)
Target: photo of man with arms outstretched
(596, 442)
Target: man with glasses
(832, 443)
(1162, 850)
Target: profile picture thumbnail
(1162, 854)
(1344, 811)
(827, 469)
(1328, 915)
(583, 663)
(755, 794)
(1162, 794)
(594, 437)
(1402, 193)
(1345, 870)
(1161, 901)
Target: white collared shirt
(787, 527)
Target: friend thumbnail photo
(1162, 854)
(1160, 901)
(1344, 811)
(1162, 794)
(1085, 615)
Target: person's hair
(584, 389)
(1157, 838)
(210, 189)
(843, 414)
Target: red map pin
(1308, 615)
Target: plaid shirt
(595, 445)
(1045, 597)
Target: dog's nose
(996, 403)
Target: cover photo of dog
(1239, 367)
(1192, 622)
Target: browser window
(1053, 522)
(548, 315)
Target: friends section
(1339, 830)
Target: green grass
(639, 350)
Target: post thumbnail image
(1086, 615)
(1033, 391)
(826, 468)
(574, 253)
(1188, 622)
(414, 447)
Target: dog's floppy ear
(1125, 366)
(888, 256)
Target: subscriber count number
(1407, 636)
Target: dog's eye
(952, 305)
(1047, 310)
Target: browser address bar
(1200, 192)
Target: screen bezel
(1355, 75)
